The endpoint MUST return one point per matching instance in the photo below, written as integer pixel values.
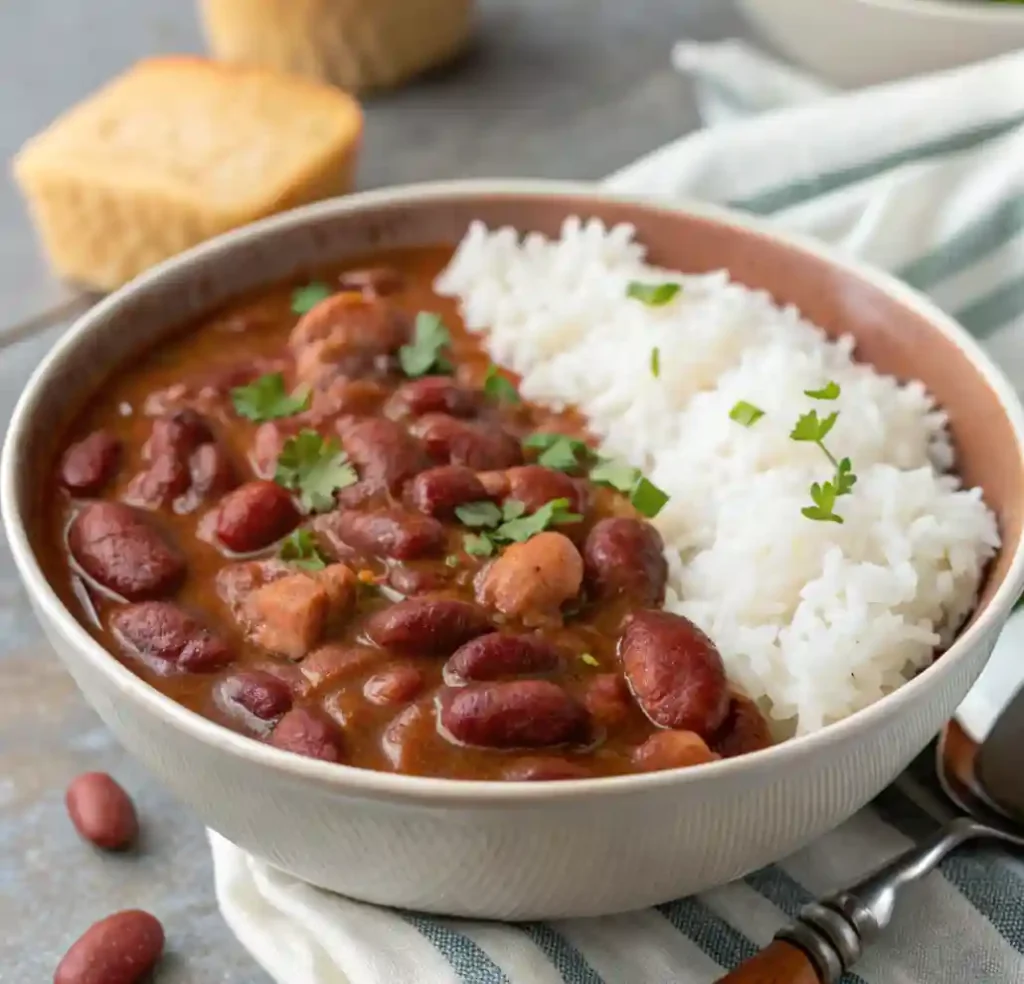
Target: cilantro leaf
(561, 455)
(656, 362)
(423, 354)
(300, 549)
(498, 388)
(512, 509)
(619, 476)
(653, 295)
(477, 546)
(746, 413)
(647, 498)
(306, 298)
(314, 468)
(265, 399)
(830, 391)
(477, 514)
(553, 513)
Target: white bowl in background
(861, 42)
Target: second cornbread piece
(176, 150)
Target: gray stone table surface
(552, 88)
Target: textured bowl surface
(861, 42)
(542, 850)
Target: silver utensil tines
(834, 931)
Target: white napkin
(924, 178)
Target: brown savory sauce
(377, 570)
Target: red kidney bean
(744, 730)
(675, 672)
(433, 394)
(532, 580)
(385, 453)
(343, 396)
(405, 738)
(212, 473)
(395, 685)
(514, 714)
(121, 949)
(102, 811)
(119, 548)
(549, 769)
(267, 443)
(156, 486)
(334, 661)
(495, 483)
(308, 732)
(535, 486)
(160, 630)
(480, 446)
(178, 434)
(427, 626)
(376, 281)
(672, 750)
(90, 463)
(262, 694)
(496, 655)
(255, 515)
(409, 579)
(391, 533)
(438, 491)
(608, 699)
(625, 556)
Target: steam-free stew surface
(319, 520)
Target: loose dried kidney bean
(744, 729)
(334, 661)
(433, 394)
(480, 446)
(672, 750)
(101, 811)
(376, 281)
(438, 491)
(427, 626)
(90, 463)
(608, 699)
(675, 672)
(535, 486)
(119, 548)
(359, 329)
(496, 655)
(394, 685)
(532, 580)
(308, 732)
(255, 515)
(391, 533)
(625, 556)
(162, 631)
(549, 769)
(260, 693)
(385, 454)
(514, 714)
(121, 949)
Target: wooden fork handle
(778, 963)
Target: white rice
(814, 619)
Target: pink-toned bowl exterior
(532, 850)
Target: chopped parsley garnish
(512, 509)
(498, 388)
(477, 546)
(559, 451)
(589, 660)
(300, 549)
(553, 513)
(306, 298)
(646, 497)
(653, 295)
(314, 468)
(265, 399)
(812, 429)
(656, 362)
(423, 354)
(477, 514)
(746, 413)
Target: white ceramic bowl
(523, 850)
(860, 42)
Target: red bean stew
(323, 519)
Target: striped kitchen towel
(925, 178)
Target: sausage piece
(532, 580)
(161, 631)
(514, 714)
(90, 463)
(119, 548)
(625, 556)
(675, 672)
(427, 626)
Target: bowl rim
(978, 11)
(439, 792)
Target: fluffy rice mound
(814, 619)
